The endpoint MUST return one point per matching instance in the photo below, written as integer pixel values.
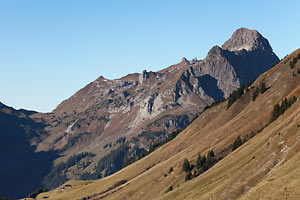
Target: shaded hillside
(22, 169)
(264, 167)
(147, 107)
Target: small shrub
(255, 94)
(237, 143)
(263, 88)
(169, 189)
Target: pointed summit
(248, 40)
(185, 61)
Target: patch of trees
(237, 143)
(109, 164)
(260, 90)
(235, 95)
(263, 88)
(37, 192)
(89, 176)
(151, 135)
(57, 175)
(215, 103)
(153, 146)
(255, 94)
(75, 159)
(294, 61)
(280, 109)
(105, 119)
(121, 140)
(113, 161)
(203, 163)
(108, 145)
(73, 140)
(158, 144)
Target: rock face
(143, 108)
(248, 40)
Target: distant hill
(264, 164)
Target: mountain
(136, 110)
(264, 164)
(21, 168)
(111, 123)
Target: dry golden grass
(266, 167)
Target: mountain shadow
(210, 87)
(21, 169)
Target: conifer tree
(186, 165)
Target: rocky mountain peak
(214, 51)
(185, 61)
(248, 40)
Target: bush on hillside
(235, 95)
(255, 94)
(263, 88)
(280, 109)
(169, 189)
(237, 143)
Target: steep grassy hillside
(265, 167)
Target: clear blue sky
(49, 49)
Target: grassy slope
(250, 172)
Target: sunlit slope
(247, 172)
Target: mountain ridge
(129, 114)
(146, 107)
(264, 167)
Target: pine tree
(255, 94)
(186, 165)
(199, 162)
(263, 88)
(275, 113)
(169, 189)
(188, 176)
(238, 142)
